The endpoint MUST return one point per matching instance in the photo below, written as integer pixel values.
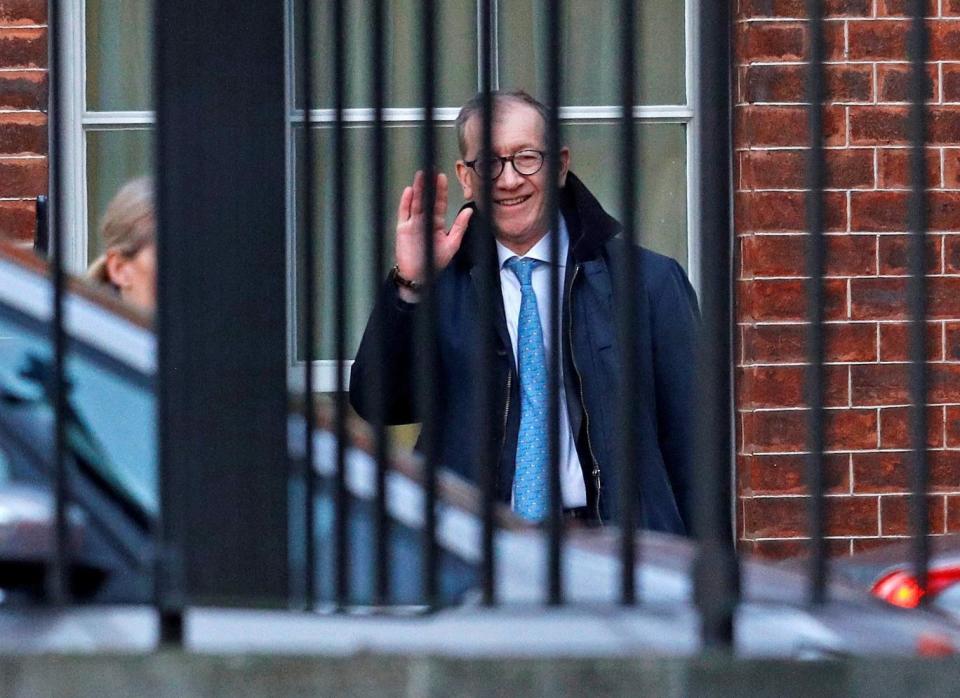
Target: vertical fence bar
(41, 236)
(816, 261)
(427, 327)
(555, 522)
(341, 176)
(917, 289)
(58, 572)
(378, 210)
(716, 573)
(486, 458)
(308, 303)
(627, 437)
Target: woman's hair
(127, 226)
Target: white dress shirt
(572, 487)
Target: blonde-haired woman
(128, 233)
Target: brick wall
(865, 126)
(23, 121)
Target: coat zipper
(595, 472)
(506, 412)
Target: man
(592, 362)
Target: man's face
(519, 202)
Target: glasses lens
(528, 162)
(490, 167)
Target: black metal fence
(222, 384)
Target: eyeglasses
(525, 163)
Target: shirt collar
(540, 251)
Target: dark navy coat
(664, 327)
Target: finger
(417, 208)
(403, 212)
(442, 187)
(459, 226)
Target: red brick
(787, 126)
(952, 342)
(878, 125)
(894, 167)
(886, 211)
(895, 427)
(894, 83)
(786, 343)
(953, 426)
(950, 8)
(786, 211)
(23, 48)
(951, 82)
(797, 8)
(23, 90)
(895, 515)
(943, 127)
(944, 40)
(784, 255)
(22, 134)
(13, 12)
(953, 514)
(778, 41)
(879, 384)
(951, 168)
(900, 8)
(885, 298)
(785, 300)
(23, 178)
(877, 41)
(783, 386)
(787, 169)
(944, 384)
(787, 517)
(862, 545)
(787, 474)
(894, 251)
(17, 220)
(951, 248)
(895, 343)
(793, 548)
(785, 431)
(944, 467)
(787, 83)
(880, 471)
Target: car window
(111, 405)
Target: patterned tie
(530, 478)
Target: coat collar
(588, 225)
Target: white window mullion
(73, 158)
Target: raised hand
(410, 243)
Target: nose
(509, 178)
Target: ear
(463, 176)
(564, 165)
(118, 270)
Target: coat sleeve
(397, 320)
(675, 327)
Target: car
(112, 513)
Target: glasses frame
(504, 159)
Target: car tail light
(900, 588)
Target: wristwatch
(400, 281)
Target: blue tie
(530, 477)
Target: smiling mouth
(515, 201)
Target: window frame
(77, 121)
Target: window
(109, 141)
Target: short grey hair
(474, 106)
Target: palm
(411, 224)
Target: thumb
(459, 226)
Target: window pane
(591, 67)
(118, 44)
(404, 159)
(456, 63)
(113, 157)
(662, 200)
